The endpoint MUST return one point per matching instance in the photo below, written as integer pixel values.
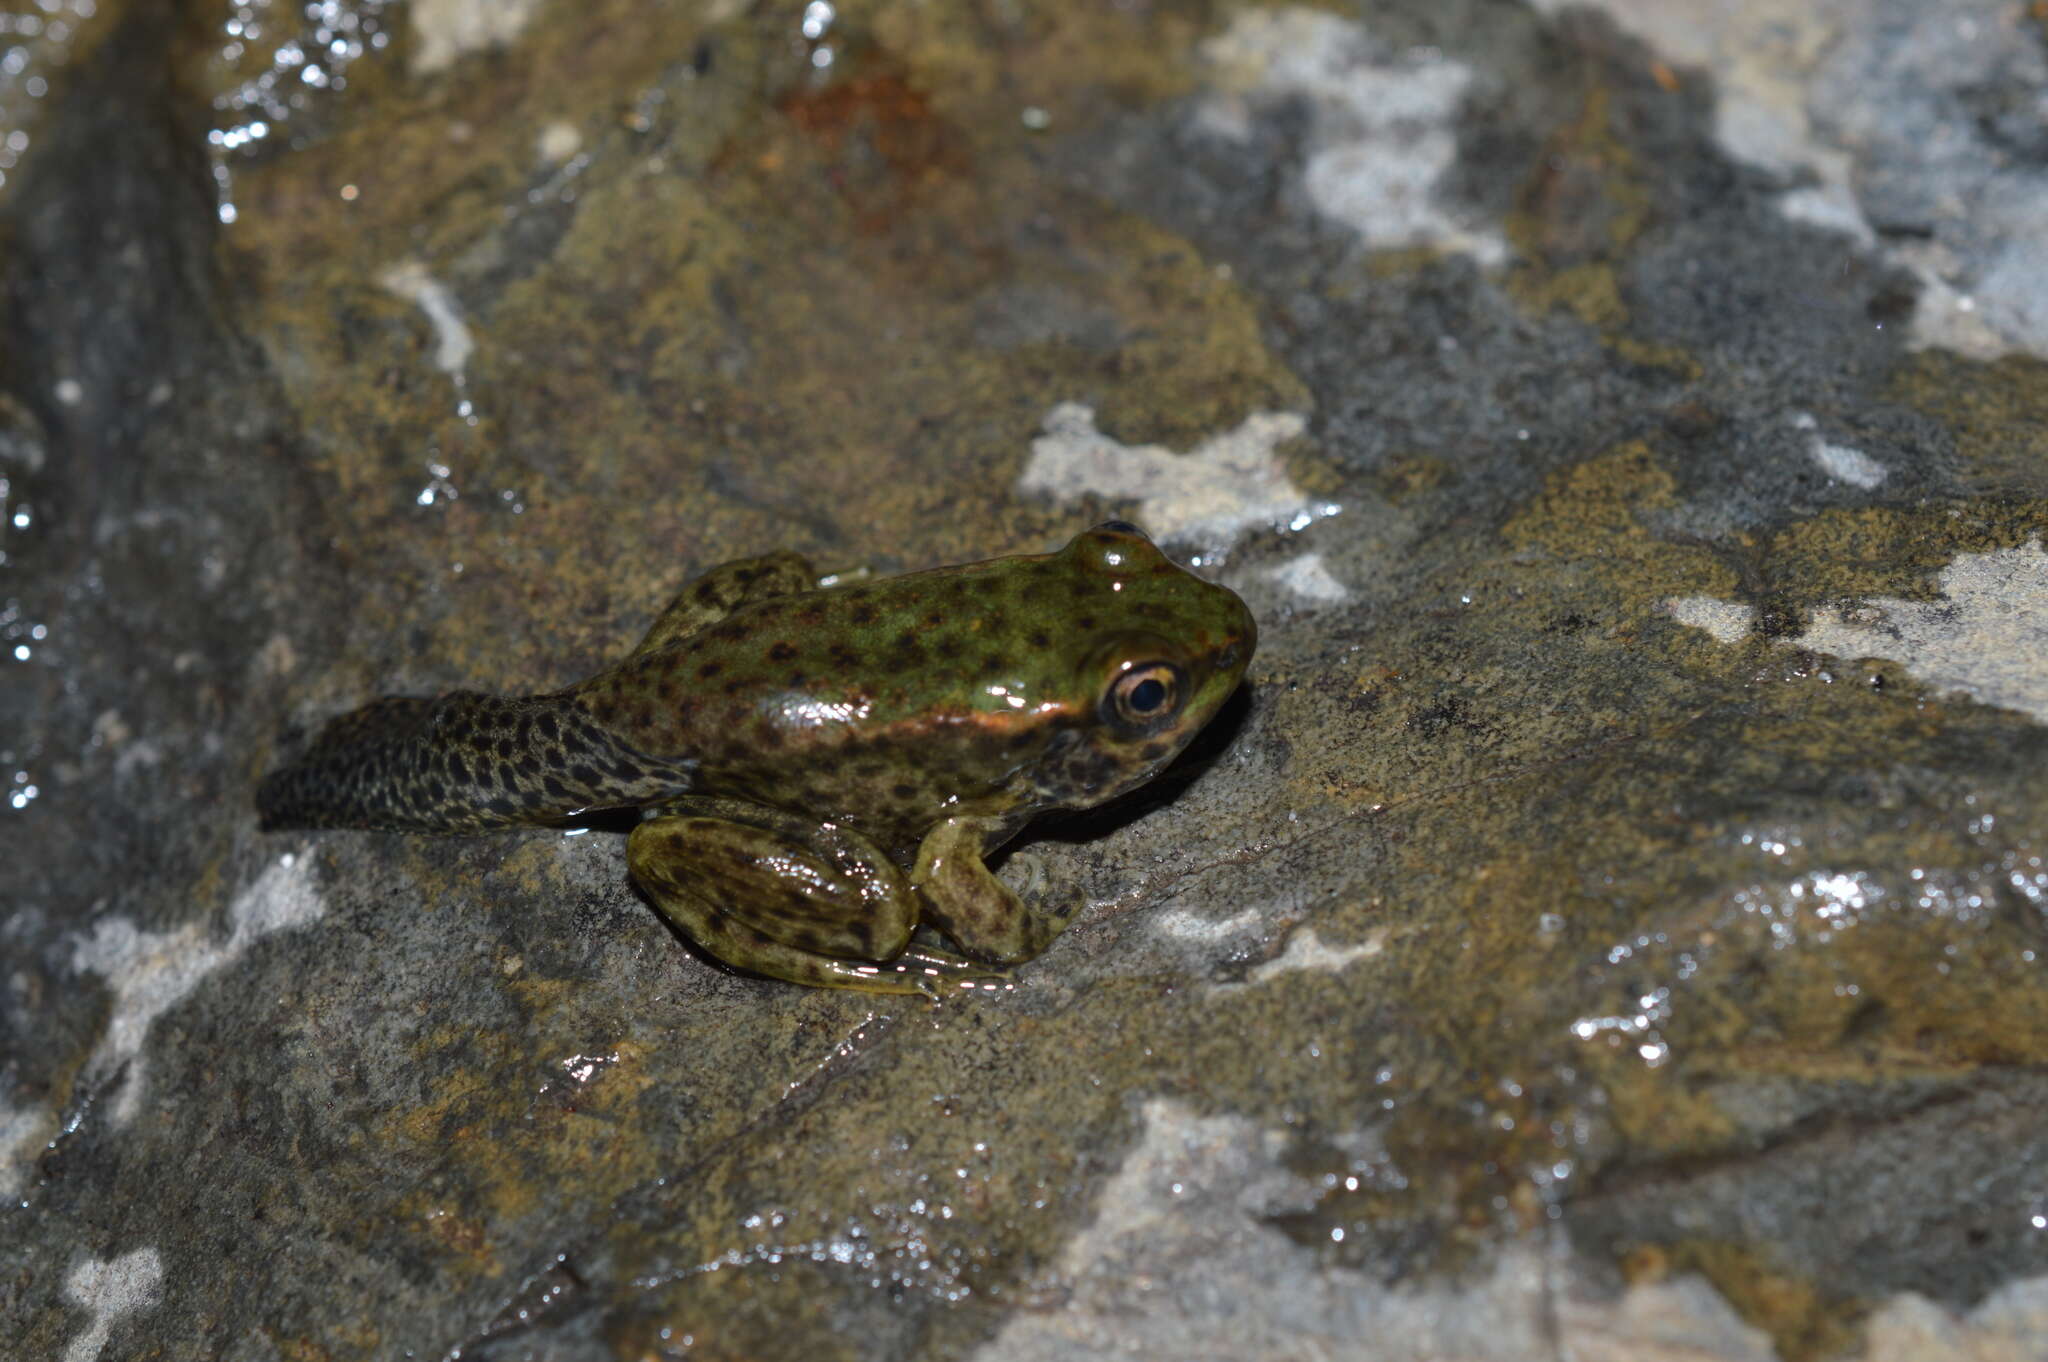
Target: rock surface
(1610, 926)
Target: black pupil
(1147, 695)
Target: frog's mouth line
(1068, 823)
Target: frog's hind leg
(766, 891)
(724, 589)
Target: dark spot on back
(782, 652)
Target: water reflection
(275, 61)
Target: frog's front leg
(968, 903)
(767, 891)
(724, 589)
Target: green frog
(822, 766)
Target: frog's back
(892, 703)
(866, 699)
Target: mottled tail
(462, 762)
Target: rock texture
(1609, 926)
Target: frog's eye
(1143, 695)
(1115, 548)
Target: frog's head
(1154, 652)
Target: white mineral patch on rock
(2013, 292)
(453, 345)
(23, 1132)
(1987, 639)
(558, 141)
(109, 1290)
(444, 30)
(1842, 463)
(151, 972)
(1306, 950)
(1185, 925)
(1682, 1320)
(1309, 579)
(1761, 54)
(1182, 1261)
(2009, 1325)
(1382, 134)
(1846, 464)
(1862, 97)
(1727, 621)
(1222, 487)
(1945, 318)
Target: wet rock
(1610, 921)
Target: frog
(821, 766)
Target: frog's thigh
(970, 905)
(724, 589)
(766, 891)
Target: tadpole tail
(461, 762)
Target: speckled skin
(823, 769)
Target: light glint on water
(35, 40)
(277, 60)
